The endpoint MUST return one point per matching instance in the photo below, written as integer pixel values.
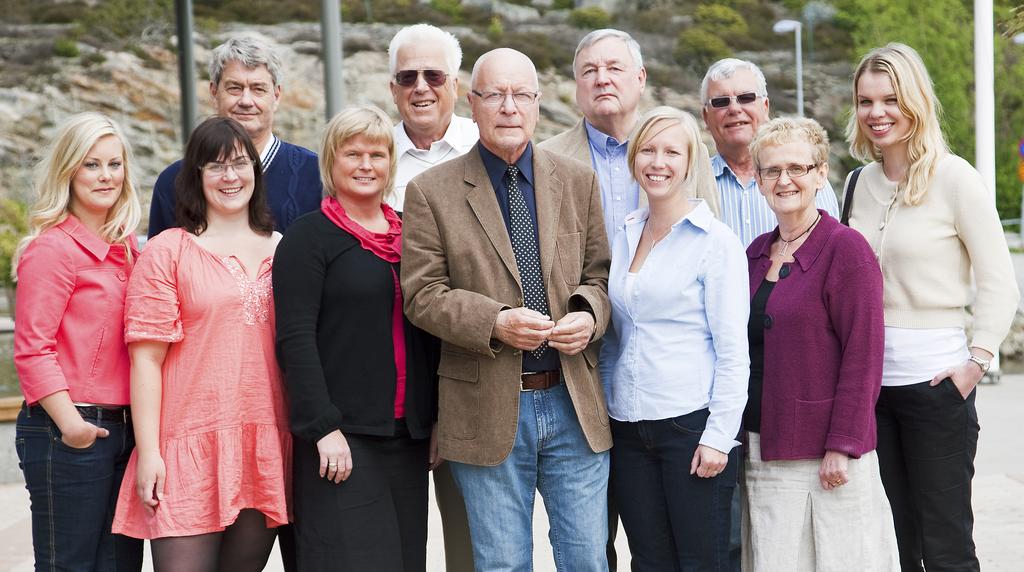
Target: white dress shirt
(460, 137)
(679, 335)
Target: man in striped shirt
(735, 98)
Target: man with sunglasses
(504, 257)
(424, 64)
(245, 85)
(735, 98)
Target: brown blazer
(459, 271)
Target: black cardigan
(333, 302)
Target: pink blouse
(68, 316)
(224, 434)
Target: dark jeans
(672, 519)
(374, 520)
(927, 439)
(73, 492)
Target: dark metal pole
(186, 66)
(330, 31)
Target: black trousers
(375, 520)
(674, 521)
(927, 439)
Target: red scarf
(387, 245)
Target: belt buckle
(521, 388)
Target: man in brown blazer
(505, 259)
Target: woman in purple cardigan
(814, 496)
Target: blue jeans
(674, 521)
(550, 454)
(73, 492)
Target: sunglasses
(434, 78)
(725, 100)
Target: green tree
(697, 48)
(935, 29)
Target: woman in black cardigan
(361, 379)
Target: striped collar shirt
(269, 152)
(744, 208)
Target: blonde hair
(368, 121)
(699, 182)
(915, 96)
(58, 167)
(782, 130)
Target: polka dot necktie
(525, 247)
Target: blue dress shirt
(496, 168)
(679, 337)
(620, 193)
(745, 210)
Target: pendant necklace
(786, 243)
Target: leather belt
(532, 381)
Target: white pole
(799, 75)
(984, 94)
(985, 110)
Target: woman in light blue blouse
(677, 378)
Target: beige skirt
(791, 524)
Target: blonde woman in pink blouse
(74, 432)
(209, 480)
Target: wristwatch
(984, 364)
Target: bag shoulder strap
(848, 195)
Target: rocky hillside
(139, 86)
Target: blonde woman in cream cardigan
(930, 221)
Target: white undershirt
(916, 355)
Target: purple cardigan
(823, 345)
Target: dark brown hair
(213, 140)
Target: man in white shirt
(424, 64)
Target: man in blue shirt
(245, 77)
(610, 78)
(735, 99)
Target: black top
(755, 335)
(496, 169)
(333, 303)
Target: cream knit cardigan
(927, 251)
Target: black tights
(241, 547)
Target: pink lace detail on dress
(256, 295)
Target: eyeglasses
(794, 171)
(218, 169)
(725, 100)
(494, 98)
(408, 78)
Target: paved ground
(998, 497)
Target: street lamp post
(785, 27)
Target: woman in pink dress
(209, 479)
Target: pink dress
(224, 432)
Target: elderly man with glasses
(735, 98)
(424, 64)
(504, 258)
(245, 84)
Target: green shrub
(592, 18)
(92, 59)
(698, 48)
(721, 21)
(65, 48)
(563, 5)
